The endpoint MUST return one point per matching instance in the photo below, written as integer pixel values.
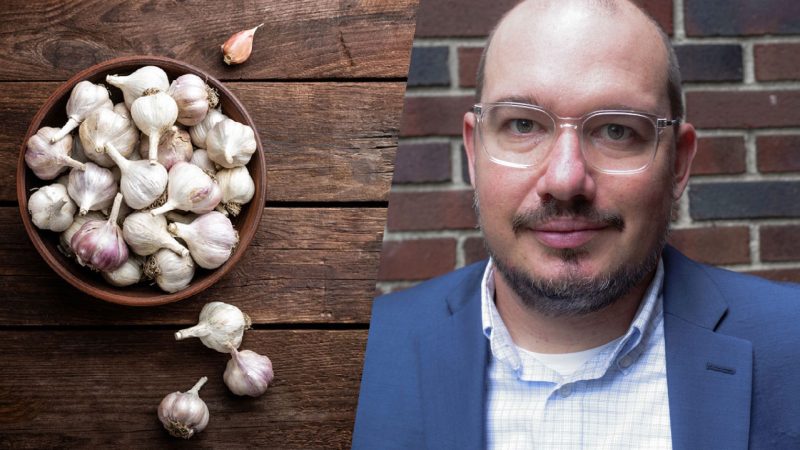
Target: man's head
(569, 238)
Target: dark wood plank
(323, 141)
(52, 39)
(101, 389)
(303, 266)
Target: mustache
(554, 209)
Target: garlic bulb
(84, 98)
(51, 208)
(173, 146)
(93, 188)
(154, 113)
(65, 237)
(104, 126)
(184, 414)
(200, 131)
(146, 234)
(142, 182)
(99, 243)
(134, 85)
(121, 109)
(248, 373)
(129, 273)
(170, 271)
(211, 238)
(47, 160)
(221, 326)
(190, 189)
(237, 188)
(194, 98)
(200, 159)
(238, 47)
(230, 144)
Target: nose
(566, 174)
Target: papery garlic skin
(184, 414)
(211, 238)
(170, 271)
(104, 126)
(134, 85)
(194, 98)
(230, 143)
(200, 131)
(237, 188)
(128, 274)
(154, 114)
(47, 160)
(146, 234)
(238, 47)
(142, 182)
(190, 189)
(92, 189)
(248, 373)
(65, 237)
(200, 159)
(220, 327)
(99, 244)
(84, 98)
(51, 208)
(174, 146)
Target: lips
(567, 233)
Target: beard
(575, 294)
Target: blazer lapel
(452, 379)
(709, 375)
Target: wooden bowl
(53, 114)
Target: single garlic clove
(248, 373)
(238, 47)
(184, 414)
(220, 327)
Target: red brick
(474, 250)
(741, 17)
(717, 155)
(743, 109)
(434, 116)
(792, 275)
(468, 60)
(778, 153)
(780, 243)
(660, 10)
(777, 61)
(422, 163)
(440, 210)
(416, 259)
(714, 245)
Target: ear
(685, 150)
(468, 134)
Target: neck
(541, 333)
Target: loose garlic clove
(237, 188)
(51, 208)
(238, 47)
(175, 145)
(104, 126)
(154, 114)
(134, 85)
(92, 189)
(146, 234)
(184, 414)
(211, 238)
(248, 373)
(128, 274)
(142, 182)
(194, 98)
(99, 245)
(200, 159)
(84, 98)
(230, 144)
(221, 326)
(170, 271)
(200, 131)
(65, 237)
(47, 160)
(190, 189)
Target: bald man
(583, 329)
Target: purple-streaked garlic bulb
(65, 237)
(190, 189)
(248, 373)
(47, 160)
(93, 188)
(84, 98)
(99, 245)
(175, 145)
(194, 98)
(184, 414)
(211, 238)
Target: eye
(615, 132)
(522, 126)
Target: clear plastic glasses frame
(521, 135)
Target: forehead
(573, 58)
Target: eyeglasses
(521, 135)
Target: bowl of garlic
(141, 180)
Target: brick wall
(740, 61)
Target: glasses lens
(516, 134)
(619, 141)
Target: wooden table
(324, 85)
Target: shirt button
(565, 390)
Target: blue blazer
(732, 355)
